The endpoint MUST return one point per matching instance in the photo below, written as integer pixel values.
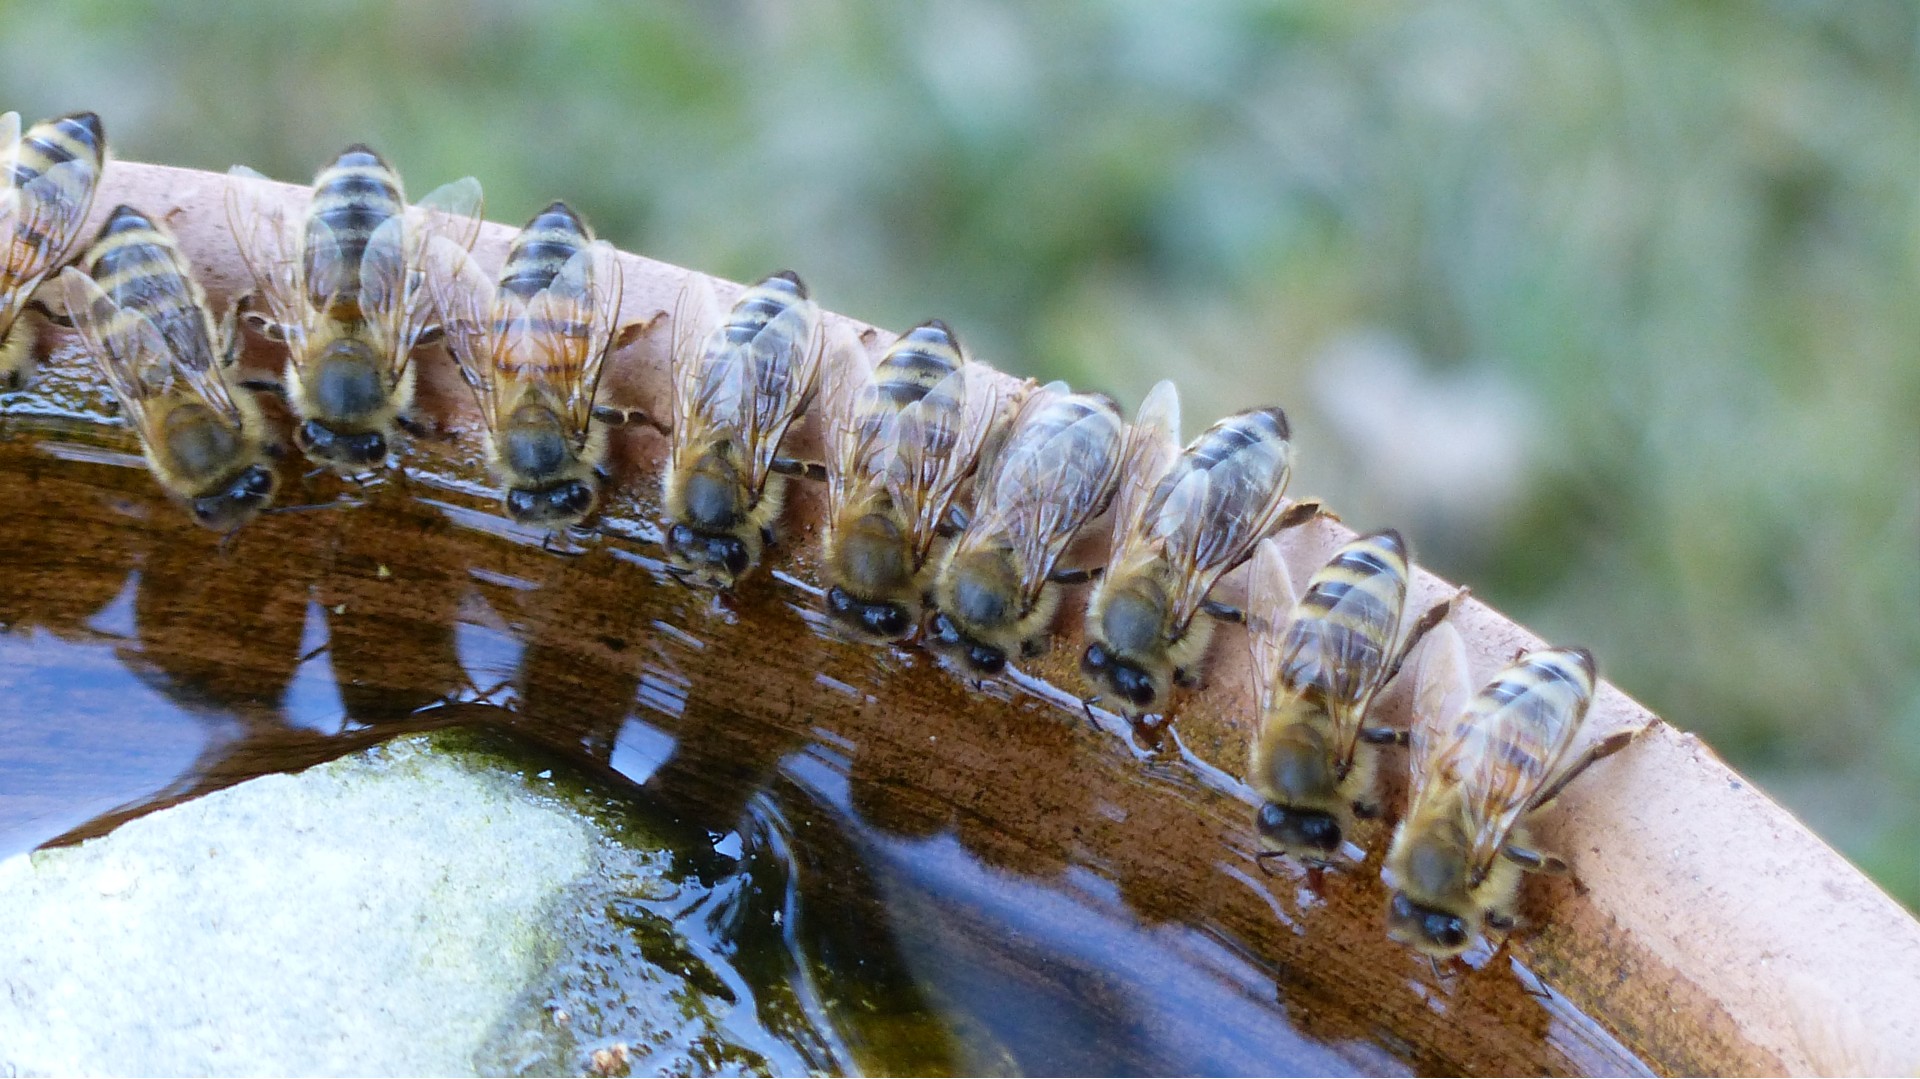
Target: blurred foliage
(1615, 307)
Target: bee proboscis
(1183, 519)
(903, 437)
(995, 592)
(47, 181)
(146, 323)
(738, 385)
(1482, 764)
(345, 291)
(532, 347)
(1320, 660)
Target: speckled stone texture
(377, 915)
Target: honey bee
(903, 437)
(145, 322)
(994, 591)
(1182, 520)
(1319, 663)
(1481, 768)
(533, 349)
(345, 291)
(736, 390)
(47, 180)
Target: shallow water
(967, 881)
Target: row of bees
(952, 502)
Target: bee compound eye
(943, 630)
(1446, 930)
(256, 481)
(838, 601)
(1132, 684)
(887, 620)
(986, 659)
(1095, 658)
(680, 539)
(732, 554)
(520, 503)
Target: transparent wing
(1153, 443)
(127, 347)
(937, 444)
(1212, 517)
(783, 360)
(1270, 607)
(464, 295)
(9, 147)
(1513, 742)
(1055, 472)
(709, 379)
(384, 289)
(598, 298)
(857, 433)
(451, 212)
(263, 232)
(1442, 687)
(49, 211)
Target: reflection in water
(941, 879)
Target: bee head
(556, 506)
(877, 620)
(945, 635)
(352, 449)
(1137, 688)
(346, 381)
(1438, 933)
(1304, 833)
(237, 502)
(717, 559)
(534, 444)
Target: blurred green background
(1614, 307)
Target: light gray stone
(390, 913)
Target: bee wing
(709, 378)
(465, 297)
(9, 146)
(856, 435)
(263, 233)
(127, 347)
(1212, 517)
(1044, 489)
(48, 212)
(937, 446)
(392, 277)
(1511, 742)
(597, 298)
(783, 361)
(1442, 687)
(1340, 637)
(1271, 601)
(1153, 442)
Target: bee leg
(1534, 861)
(957, 520)
(1303, 511)
(1383, 736)
(270, 386)
(623, 417)
(1367, 810)
(264, 326)
(1223, 612)
(1435, 615)
(1264, 858)
(1605, 747)
(787, 466)
(1086, 709)
(1076, 576)
(58, 318)
(412, 426)
(1185, 679)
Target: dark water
(968, 881)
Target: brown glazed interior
(1708, 930)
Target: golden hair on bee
(996, 590)
(146, 324)
(532, 348)
(1183, 519)
(47, 181)
(1482, 764)
(1320, 660)
(738, 385)
(903, 436)
(344, 289)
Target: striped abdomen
(554, 236)
(915, 364)
(140, 267)
(1344, 627)
(1527, 716)
(60, 207)
(352, 198)
(1247, 462)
